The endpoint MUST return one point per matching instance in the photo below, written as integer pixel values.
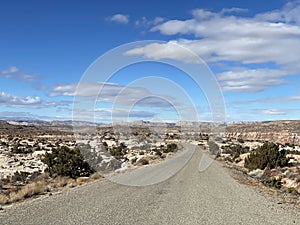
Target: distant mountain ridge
(280, 131)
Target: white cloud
(9, 100)
(202, 14)
(9, 115)
(14, 100)
(15, 73)
(228, 38)
(294, 98)
(172, 49)
(145, 22)
(122, 114)
(281, 99)
(114, 93)
(108, 90)
(158, 20)
(120, 18)
(112, 115)
(272, 37)
(273, 112)
(288, 14)
(251, 80)
(233, 10)
(10, 70)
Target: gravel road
(188, 197)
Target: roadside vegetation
(267, 156)
(67, 162)
(43, 184)
(270, 163)
(65, 168)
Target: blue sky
(251, 47)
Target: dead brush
(3, 199)
(28, 191)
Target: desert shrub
(95, 176)
(18, 148)
(158, 152)
(133, 160)
(292, 191)
(235, 150)
(294, 152)
(20, 176)
(240, 140)
(142, 153)
(119, 151)
(28, 190)
(289, 144)
(142, 161)
(273, 182)
(64, 161)
(50, 145)
(3, 199)
(268, 155)
(170, 148)
(4, 181)
(35, 176)
(105, 144)
(61, 181)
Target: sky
(245, 54)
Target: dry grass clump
(3, 199)
(82, 180)
(142, 162)
(95, 176)
(28, 191)
(42, 185)
(62, 182)
(59, 182)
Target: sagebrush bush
(170, 148)
(68, 162)
(143, 161)
(267, 156)
(28, 191)
(3, 199)
(292, 191)
(235, 150)
(158, 152)
(20, 176)
(119, 151)
(273, 182)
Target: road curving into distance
(188, 197)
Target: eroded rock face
(110, 165)
(275, 131)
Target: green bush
(18, 148)
(68, 162)
(292, 191)
(119, 151)
(240, 140)
(273, 182)
(20, 176)
(235, 150)
(170, 148)
(267, 156)
(158, 152)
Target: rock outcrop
(287, 131)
